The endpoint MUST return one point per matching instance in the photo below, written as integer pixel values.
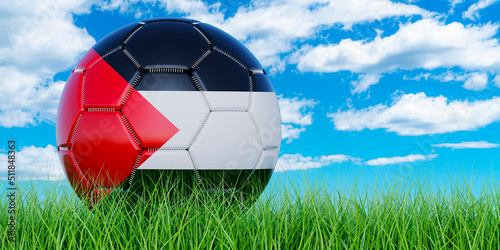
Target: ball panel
(167, 44)
(187, 110)
(104, 149)
(168, 159)
(103, 87)
(90, 57)
(268, 159)
(225, 42)
(228, 140)
(218, 72)
(256, 183)
(75, 177)
(265, 111)
(166, 81)
(70, 107)
(169, 19)
(99, 194)
(122, 65)
(175, 184)
(226, 100)
(116, 39)
(223, 180)
(150, 126)
(261, 83)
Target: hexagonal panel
(218, 72)
(228, 100)
(150, 126)
(265, 111)
(167, 44)
(168, 159)
(70, 107)
(227, 141)
(225, 42)
(104, 149)
(187, 110)
(103, 87)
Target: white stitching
(206, 39)
(164, 149)
(229, 110)
(135, 169)
(76, 127)
(132, 58)
(232, 58)
(101, 109)
(130, 130)
(79, 169)
(198, 178)
(257, 128)
(196, 83)
(166, 70)
(133, 33)
(200, 59)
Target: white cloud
(35, 163)
(473, 11)
(399, 159)
(476, 81)
(38, 41)
(364, 82)
(427, 44)
(496, 80)
(417, 114)
(288, 162)
(467, 144)
(270, 28)
(296, 114)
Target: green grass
(398, 215)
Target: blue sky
(365, 86)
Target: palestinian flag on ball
(168, 103)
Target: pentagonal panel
(261, 83)
(123, 66)
(166, 81)
(115, 39)
(75, 177)
(103, 87)
(268, 159)
(228, 100)
(168, 159)
(266, 114)
(218, 72)
(187, 110)
(225, 42)
(70, 107)
(104, 149)
(227, 141)
(150, 126)
(167, 44)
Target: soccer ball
(173, 103)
